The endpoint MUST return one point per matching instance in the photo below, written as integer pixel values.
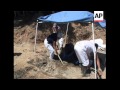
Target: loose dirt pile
(75, 33)
(27, 34)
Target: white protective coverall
(50, 48)
(83, 50)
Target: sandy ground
(30, 65)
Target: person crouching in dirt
(84, 52)
(50, 44)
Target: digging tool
(60, 59)
(99, 76)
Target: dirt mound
(27, 34)
(84, 32)
(75, 33)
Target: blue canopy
(102, 24)
(70, 16)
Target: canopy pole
(94, 49)
(66, 35)
(35, 37)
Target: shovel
(60, 59)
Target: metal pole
(35, 37)
(66, 35)
(94, 49)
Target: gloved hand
(55, 52)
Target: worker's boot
(77, 63)
(80, 64)
(84, 70)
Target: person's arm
(55, 47)
(98, 64)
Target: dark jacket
(51, 38)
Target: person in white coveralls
(50, 44)
(84, 52)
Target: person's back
(51, 38)
(83, 50)
(50, 43)
(85, 54)
(86, 45)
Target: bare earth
(30, 65)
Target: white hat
(100, 43)
(102, 46)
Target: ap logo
(98, 16)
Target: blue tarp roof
(102, 24)
(71, 16)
